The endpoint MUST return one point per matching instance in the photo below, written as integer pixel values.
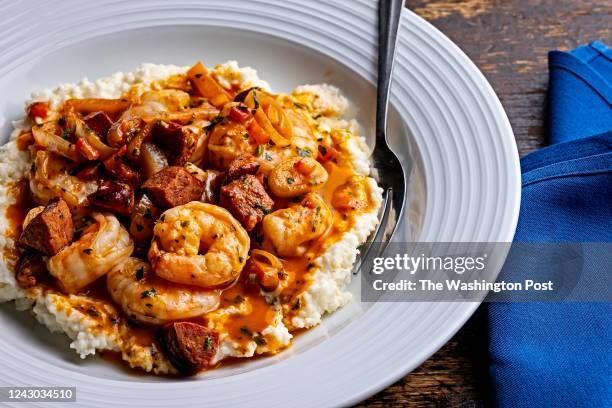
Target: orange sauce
(24, 140)
(242, 327)
(15, 214)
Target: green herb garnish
(93, 312)
(263, 209)
(260, 341)
(217, 119)
(304, 152)
(208, 341)
(148, 293)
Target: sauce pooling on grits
(185, 218)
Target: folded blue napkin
(556, 354)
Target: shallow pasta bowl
(446, 125)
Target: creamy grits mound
(93, 325)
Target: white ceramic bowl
(446, 125)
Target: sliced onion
(110, 106)
(265, 260)
(85, 132)
(189, 114)
(135, 144)
(257, 100)
(152, 159)
(44, 137)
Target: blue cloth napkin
(580, 92)
(555, 354)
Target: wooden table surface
(509, 41)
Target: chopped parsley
(262, 208)
(93, 312)
(245, 330)
(88, 251)
(255, 99)
(304, 152)
(217, 119)
(259, 150)
(208, 341)
(238, 299)
(148, 293)
(322, 150)
(66, 134)
(140, 273)
(184, 224)
(260, 341)
(290, 180)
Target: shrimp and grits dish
(175, 217)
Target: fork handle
(389, 13)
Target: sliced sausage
(114, 197)
(190, 347)
(247, 200)
(117, 165)
(173, 186)
(30, 268)
(99, 122)
(178, 142)
(50, 230)
(242, 165)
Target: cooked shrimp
(289, 230)
(150, 299)
(50, 178)
(102, 245)
(353, 195)
(199, 244)
(297, 176)
(226, 142)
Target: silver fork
(387, 169)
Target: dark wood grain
(509, 41)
